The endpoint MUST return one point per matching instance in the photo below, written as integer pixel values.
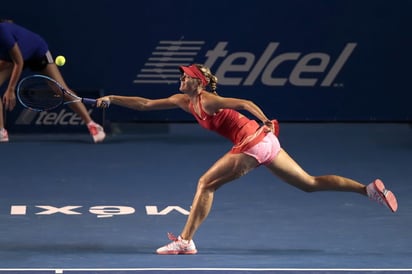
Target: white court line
(63, 270)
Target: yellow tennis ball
(60, 60)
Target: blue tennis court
(69, 206)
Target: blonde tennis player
(254, 144)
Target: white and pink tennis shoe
(96, 131)
(376, 191)
(4, 136)
(177, 246)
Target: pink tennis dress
(245, 134)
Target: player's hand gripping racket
(41, 93)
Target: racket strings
(41, 94)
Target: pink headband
(194, 72)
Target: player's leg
(53, 71)
(4, 137)
(5, 72)
(289, 171)
(95, 129)
(226, 169)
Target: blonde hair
(211, 79)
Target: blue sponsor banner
(299, 60)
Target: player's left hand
(9, 100)
(268, 126)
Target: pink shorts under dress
(266, 150)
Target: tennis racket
(42, 93)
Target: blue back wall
(317, 60)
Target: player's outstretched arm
(143, 104)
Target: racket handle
(105, 104)
(89, 101)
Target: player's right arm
(9, 98)
(145, 104)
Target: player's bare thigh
(229, 167)
(5, 70)
(289, 171)
(53, 71)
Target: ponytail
(212, 79)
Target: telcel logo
(248, 68)
(63, 117)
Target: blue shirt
(31, 44)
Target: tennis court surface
(70, 206)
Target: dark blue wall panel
(317, 60)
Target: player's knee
(203, 184)
(206, 185)
(310, 185)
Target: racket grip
(105, 104)
(89, 101)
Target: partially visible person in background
(21, 48)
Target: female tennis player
(254, 145)
(19, 49)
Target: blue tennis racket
(42, 93)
